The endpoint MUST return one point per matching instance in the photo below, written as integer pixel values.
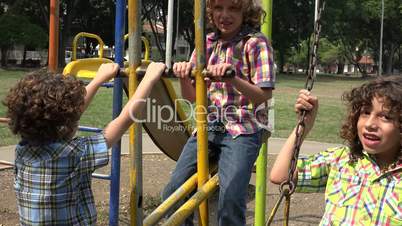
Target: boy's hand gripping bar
(230, 73)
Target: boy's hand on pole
(218, 72)
(154, 71)
(106, 72)
(182, 69)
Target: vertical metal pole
(117, 105)
(135, 147)
(169, 35)
(381, 33)
(201, 105)
(53, 35)
(266, 27)
(316, 10)
(177, 28)
(261, 171)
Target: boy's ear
(400, 139)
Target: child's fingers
(303, 103)
(182, 69)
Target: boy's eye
(386, 116)
(235, 8)
(365, 111)
(218, 8)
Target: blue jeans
(235, 157)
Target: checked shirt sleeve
(313, 171)
(259, 58)
(95, 154)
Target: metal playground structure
(164, 94)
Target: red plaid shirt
(255, 65)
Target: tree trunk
(24, 57)
(340, 68)
(390, 59)
(281, 61)
(66, 32)
(4, 52)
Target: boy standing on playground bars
(237, 111)
(52, 168)
(362, 182)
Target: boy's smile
(378, 131)
(227, 17)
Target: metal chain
(287, 188)
(309, 85)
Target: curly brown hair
(252, 12)
(389, 88)
(44, 107)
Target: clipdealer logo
(164, 115)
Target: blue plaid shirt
(53, 181)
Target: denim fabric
(236, 157)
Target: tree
(292, 23)
(329, 54)
(356, 25)
(18, 30)
(94, 16)
(155, 12)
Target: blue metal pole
(117, 106)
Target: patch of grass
(328, 88)
(7, 80)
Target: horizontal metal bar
(89, 129)
(101, 176)
(108, 84)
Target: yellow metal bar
(88, 35)
(179, 194)
(135, 147)
(146, 45)
(185, 211)
(201, 105)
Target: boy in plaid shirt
(362, 182)
(237, 111)
(52, 168)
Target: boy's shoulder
(53, 150)
(58, 149)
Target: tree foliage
(292, 22)
(351, 28)
(18, 30)
(356, 25)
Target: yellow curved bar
(85, 68)
(189, 207)
(88, 35)
(179, 194)
(146, 45)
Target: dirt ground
(306, 209)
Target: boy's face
(379, 131)
(227, 17)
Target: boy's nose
(371, 122)
(225, 13)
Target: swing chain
(288, 187)
(309, 85)
(311, 72)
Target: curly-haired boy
(52, 168)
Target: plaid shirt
(256, 66)
(355, 194)
(53, 181)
